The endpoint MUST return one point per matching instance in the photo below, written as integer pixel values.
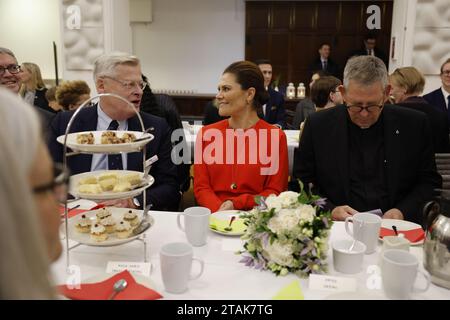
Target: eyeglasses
(12, 68)
(357, 109)
(129, 85)
(58, 185)
(446, 72)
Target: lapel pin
(397, 132)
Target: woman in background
(229, 168)
(71, 94)
(29, 219)
(33, 88)
(406, 88)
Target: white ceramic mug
(176, 262)
(196, 224)
(346, 260)
(366, 228)
(399, 270)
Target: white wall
(190, 42)
(28, 28)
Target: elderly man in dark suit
(120, 74)
(440, 98)
(365, 154)
(273, 111)
(10, 79)
(325, 63)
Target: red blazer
(237, 173)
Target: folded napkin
(414, 235)
(292, 291)
(103, 290)
(220, 224)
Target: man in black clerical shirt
(365, 154)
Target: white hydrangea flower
(279, 253)
(288, 199)
(307, 212)
(284, 220)
(273, 202)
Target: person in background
(120, 74)
(29, 219)
(10, 79)
(325, 93)
(71, 94)
(273, 111)
(440, 98)
(305, 107)
(33, 88)
(406, 87)
(51, 98)
(324, 62)
(365, 154)
(369, 48)
(229, 179)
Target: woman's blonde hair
(24, 262)
(409, 78)
(35, 82)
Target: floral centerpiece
(287, 233)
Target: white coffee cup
(399, 270)
(366, 228)
(196, 224)
(176, 262)
(346, 260)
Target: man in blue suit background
(120, 74)
(440, 98)
(273, 110)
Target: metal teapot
(436, 247)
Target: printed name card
(330, 283)
(140, 268)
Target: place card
(140, 268)
(332, 284)
(232, 245)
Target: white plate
(402, 225)
(226, 216)
(73, 190)
(113, 240)
(105, 148)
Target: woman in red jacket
(243, 156)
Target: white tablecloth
(224, 277)
(292, 136)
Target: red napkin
(72, 213)
(413, 236)
(103, 290)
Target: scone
(103, 213)
(98, 233)
(109, 223)
(128, 137)
(131, 217)
(83, 225)
(90, 188)
(123, 229)
(85, 138)
(107, 176)
(122, 187)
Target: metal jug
(436, 247)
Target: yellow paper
(292, 291)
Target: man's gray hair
(7, 51)
(106, 64)
(365, 70)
